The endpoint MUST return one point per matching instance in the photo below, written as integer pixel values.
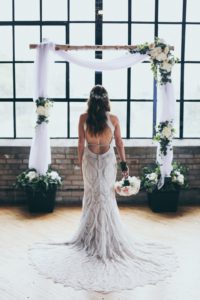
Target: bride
(102, 255)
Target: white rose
(155, 52)
(161, 56)
(162, 41)
(180, 179)
(166, 132)
(177, 173)
(40, 110)
(166, 66)
(31, 175)
(152, 177)
(166, 50)
(46, 112)
(54, 175)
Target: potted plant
(166, 198)
(40, 189)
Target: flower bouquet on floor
(127, 186)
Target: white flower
(155, 52)
(177, 173)
(31, 175)
(166, 66)
(152, 177)
(162, 41)
(54, 175)
(161, 56)
(167, 132)
(180, 179)
(46, 112)
(40, 110)
(166, 50)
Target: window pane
(27, 10)
(81, 81)
(119, 109)
(24, 80)
(6, 10)
(192, 81)
(141, 119)
(58, 120)
(172, 35)
(82, 10)
(54, 10)
(170, 10)
(82, 34)
(54, 33)
(6, 118)
(143, 10)
(75, 110)
(193, 11)
(191, 119)
(115, 10)
(116, 83)
(176, 80)
(25, 35)
(115, 34)
(6, 81)
(57, 81)
(192, 42)
(6, 44)
(25, 119)
(142, 33)
(140, 74)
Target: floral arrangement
(127, 186)
(164, 135)
(162, 59)
(31, 179)
(43, 109)
(151, 175)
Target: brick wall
(15, 159)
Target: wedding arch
(162, 60)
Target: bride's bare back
(100, 143)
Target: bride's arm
(119, 144)
(81, 139)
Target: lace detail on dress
(102, 256)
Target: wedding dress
(102, 255)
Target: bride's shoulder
(114, 119)
(83, 117)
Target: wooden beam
(91, 47)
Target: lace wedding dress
(102, 256)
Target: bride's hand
(125, 174)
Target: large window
(133, 92)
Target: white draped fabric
(125, 61)
(166, 97)
(40, 153)
(166, 112)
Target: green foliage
(164, 134)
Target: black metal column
(98, 36)
(154, 81)
(182, 68)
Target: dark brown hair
(98, 104)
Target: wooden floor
(19, 230)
